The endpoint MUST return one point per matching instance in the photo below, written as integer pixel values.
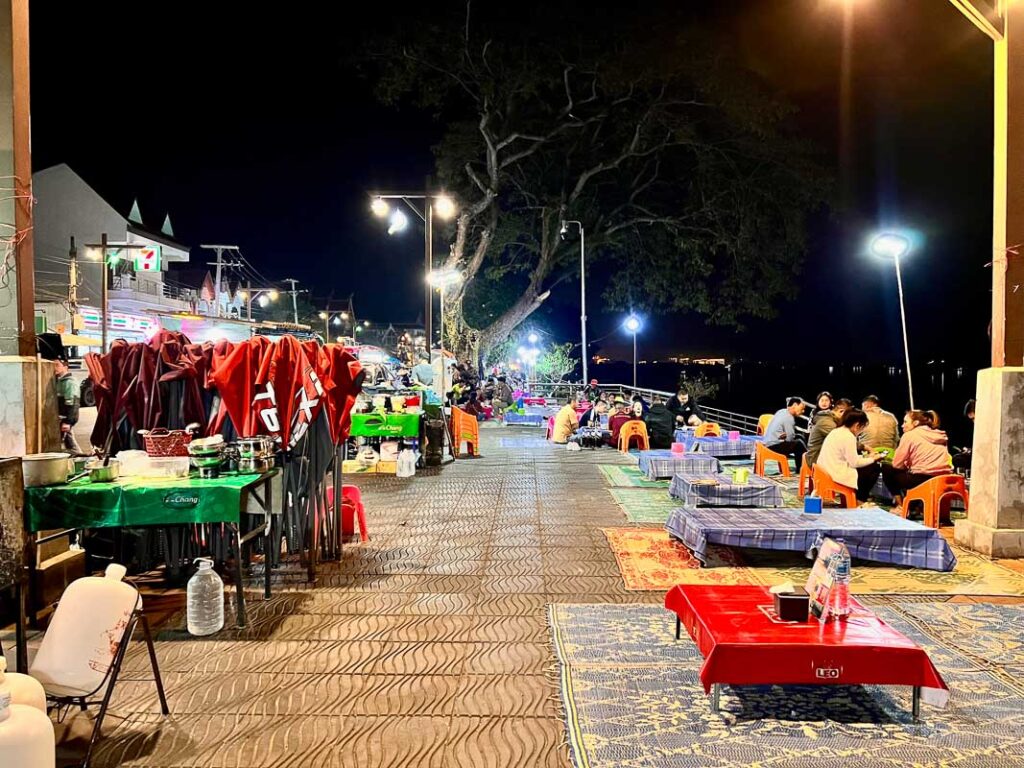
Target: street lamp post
(583, 293)
(102, 249)
(263, 295)
(438, 204)
(441, 279)
(632, 325)
(889, 245)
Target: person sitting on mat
(566, 421)
(686, 411)
(780, 436)
(592, 417)
(839, 456)
(921, 455)
(660, 425)
(883, 431)
(821, 425)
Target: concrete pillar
(995, 522)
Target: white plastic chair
(86, 642)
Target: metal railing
(726, 419)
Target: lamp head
(533, 338)
(444, 206)
(322, 315)
(632, 324)
(380, 207)
(273, 295)
(890, 245)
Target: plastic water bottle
(205, 600)
(841, 585)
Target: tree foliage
(556, 364)
(699, 387)
(681, 167)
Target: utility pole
(104, 297)
(428, 226)
(219, 265)
(295, 300)
(248, 299)
(73, 284)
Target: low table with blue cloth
(869, 533)
(534, 416)
(718, 489)
(720, 447)
(662, 463)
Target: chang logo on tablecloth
(181, 501)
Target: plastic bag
(406, 464)
(367, 456)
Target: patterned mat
(633, 699)
(643, 505)
(650, 560)
(648, 557)
(628, 477)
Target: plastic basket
(164, 442)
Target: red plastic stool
(352, 497)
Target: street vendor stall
(206, 508)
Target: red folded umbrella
(346, 374)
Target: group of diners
(854, 445)
(609, 413)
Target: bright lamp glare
(533, 338)
(366, 323)
(889, 245)
(444, 206)
(440, 278)
(398, 222)
(343, 315)
(337, 320)
(263, 300)
(632, 324)
(323, 315)
(273, 295)
(379, 207)
(243, 295)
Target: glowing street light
(322, 315)
(892, 245)
(533, 338)
(397, 222)
(263, 300)
(380, 207)
(633, 324)
(343, 315)
(337, 319)
(273, 295)
(444, 206)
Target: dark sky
(250, 128)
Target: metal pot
(98, 473)
(255, 447)
(249, 466)
(44, 469)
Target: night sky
(253, 128)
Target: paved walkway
(427, 646)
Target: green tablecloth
(132, 502)
(385, 425)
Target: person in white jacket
(839, 456)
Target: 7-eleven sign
(147, 259)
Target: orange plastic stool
(828, 488)
(932, 493)
(805, 477)
(762, 455)
(465, 429)
(708, 429)
(351, 496)
(634, 429)
(763, 422)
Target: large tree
(681, 167)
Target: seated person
(962, 460)
(780, 435)
(423, 373)
(821, 425)
(921, 454)
(684, 409)
(592, 417)
(502, 398)
(882, 431)
(619, 416)
(660, 425)
(566, 422)
(473, 407)
(839, 456)
(638, 398)
(823, 402)
(592, 391)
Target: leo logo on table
(827, 673)
(181, 501)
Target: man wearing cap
(592, 392)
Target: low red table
(744, 643)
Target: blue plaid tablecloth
(692, 488)
(530, 419)
(663, 463)
(869, 534)
(720, 447)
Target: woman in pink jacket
(921, 455)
